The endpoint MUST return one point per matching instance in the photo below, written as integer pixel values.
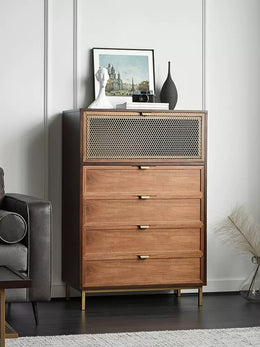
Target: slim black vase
(169, 92)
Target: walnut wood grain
(102, 212)
(141, 272)
(132, 181)
(106, 243)
(140, 212)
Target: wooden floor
(134, 313)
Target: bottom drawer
(109, 273)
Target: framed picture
(128, 69)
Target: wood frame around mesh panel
(88, 115)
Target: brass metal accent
(177, 292)
(166, 142)
(146, 113)
(144, 197)
(143, 257)
(200, 296)
(135, 289)
(141, 167)
(83, 300)
(144, 226)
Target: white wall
(232, 98)
(22, 138)
(171, 27)
(38, 82)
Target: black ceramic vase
(169, 92)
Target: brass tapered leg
(67, 291)
(2, 317)
(200, 296)
(177, 292)
(83, 300)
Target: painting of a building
(115, 85)
(127, 72)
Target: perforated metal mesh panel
(149, 137)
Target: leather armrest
(38, 215)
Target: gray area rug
(240, 337)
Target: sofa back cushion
(13, 227)
(2, 187)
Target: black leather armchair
(32, 255)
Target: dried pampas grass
(241, 232)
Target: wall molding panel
(203, 54)
(45, 112)
(61, 96)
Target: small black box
(143, 96)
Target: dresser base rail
(177, 291)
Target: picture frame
(128, 69)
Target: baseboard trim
(59, 291)
(223, 285)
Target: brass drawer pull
(143, 257)
(144, 167)
(146, 113)
(144, 197)
(144, 226)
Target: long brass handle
(144, 226)
(144, 197)
(144, 167)
(143, 257)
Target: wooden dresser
(134, 200)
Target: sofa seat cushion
(14, 255)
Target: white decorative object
(102, 100)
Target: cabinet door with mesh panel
(138, 136)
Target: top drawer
(143, 136)
(136, 181)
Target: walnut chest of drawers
(134, 200)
